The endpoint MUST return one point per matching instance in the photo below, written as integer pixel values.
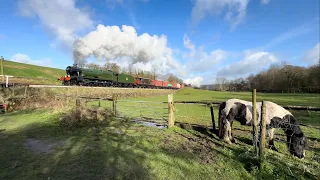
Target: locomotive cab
(73, 71)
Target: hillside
(27, 73)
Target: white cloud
(313, 55)
(59, 17)
(251, 63)
(206, 62)
(265, 1)
(110, 43)
(235, 10)
(196, 81)
(199, 60)
(188, 44)
(23, 58)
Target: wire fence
(193, 114)
(143, 110)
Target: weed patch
(82, 116)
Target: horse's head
(297, 145)
(297, 141)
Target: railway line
(3, 85)
(90, 87)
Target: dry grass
(20, 98)
(34, 99)
(28, 80)
(81, 116)
(109, 92)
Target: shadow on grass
(116, 149)
(86, 153)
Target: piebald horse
(276, 117)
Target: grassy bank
(27, 73)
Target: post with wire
(255, 122)
(262, 135)
(1, 60)
(212, 117)
(170, 111)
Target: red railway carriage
(156, 83)
(142, 82)
(165, 84)
(174, 85)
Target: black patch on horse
(222, 106)
(238, 112)
(296, 140)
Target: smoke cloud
(125, 46)
(194, 81)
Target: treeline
(278, 78)
(134, 72)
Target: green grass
(32, 71)
(189, 94)
(200, 114)
(122, 150)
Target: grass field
(35, 146)
(200, 114)
(189, 94)
(33, 73)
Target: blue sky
(201, 40)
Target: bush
(82, 116)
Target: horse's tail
(220, 119)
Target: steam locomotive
(107, 78)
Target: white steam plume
(110, 43)
(194, 81)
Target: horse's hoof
(228, 141)
(234, 141)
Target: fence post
(25, 91)
(13, 90)
(78, 111)
(255, 123)
(212, 117)
(99, 102)
(262, 134)
(170, 109)
(114, 104)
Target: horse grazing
(276, 117)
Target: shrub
(82, 116)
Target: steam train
(107, 78)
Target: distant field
(189, 94)
(36, 74)
(200, 114)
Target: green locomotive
(92, 77)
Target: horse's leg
(222, 120)
(221, 128)
(227, 131)
(233, 140)
(270, 133)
